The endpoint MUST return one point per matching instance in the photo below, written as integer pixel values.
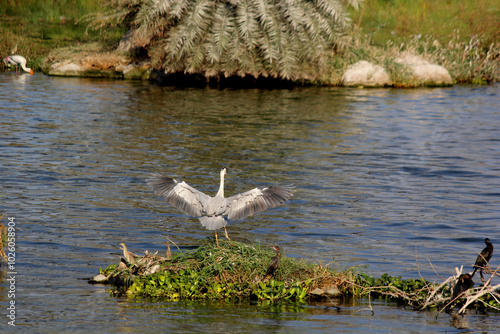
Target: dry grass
(90, 55)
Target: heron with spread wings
(212, 210)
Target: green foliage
(386, 283)
(109, 269)
(288, 39)
(192, 285)
(185, 284)
(277, 290)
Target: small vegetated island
(237, 271)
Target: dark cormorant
(464, 283)
(275, 262)
(483, 258)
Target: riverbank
(469, 52)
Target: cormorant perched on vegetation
(483, 258)
(275, 262)
(464, 283)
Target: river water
(404, 182)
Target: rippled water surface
(387, 179)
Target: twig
(473, 298)
(493, 274)
(173, 243)
(434, 269)
(435, 291)
(370, 303)
(418, 266)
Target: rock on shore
(424, 72)
(418, 71)
(365, 74)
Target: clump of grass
(96, 55)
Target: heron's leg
(216, 240)
(481, 273)
(227, 236)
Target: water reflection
(384, 177)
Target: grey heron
(483, 258)
(17, 61)
(212, 210)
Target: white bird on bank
(212, 210)
(17, 61)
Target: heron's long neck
(221, 187)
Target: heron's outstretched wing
(179, 194)
(256, 200)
